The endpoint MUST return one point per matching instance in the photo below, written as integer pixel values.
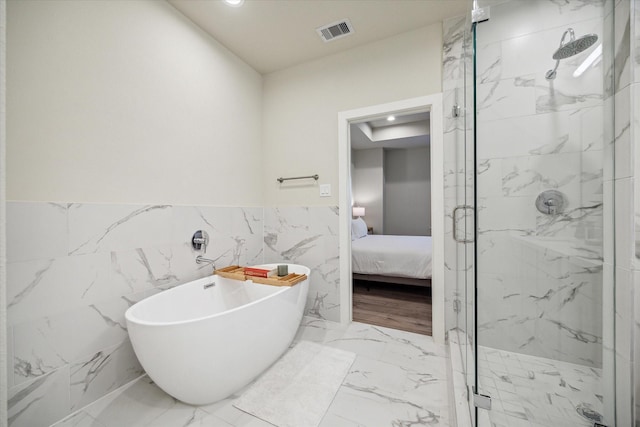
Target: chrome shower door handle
(464, 208)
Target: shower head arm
(572, 34)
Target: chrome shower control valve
(200, 240)
(551, 202)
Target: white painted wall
(407, 192)
(368, 182)
(128, 102)
(301, 103)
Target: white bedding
(403, 256)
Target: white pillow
(358, 228)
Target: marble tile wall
(553, 293)
(635, 147)
(534, 135)
(627, 214)
(309, 236)
(74, 269)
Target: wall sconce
(358, 211)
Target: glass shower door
(542, 152)
(468, 193)
(459, 199)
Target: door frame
(433, 104)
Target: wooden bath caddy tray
(237, 273)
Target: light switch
(325, 190)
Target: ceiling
(406, 131)
(399, 119)
(271, 35)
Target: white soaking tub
(201, 343)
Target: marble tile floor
(398, 379)
(529, 391)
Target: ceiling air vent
(335, 30)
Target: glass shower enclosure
(528, 188)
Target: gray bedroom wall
(407, 191)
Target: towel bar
(281, 180)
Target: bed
(392, 259)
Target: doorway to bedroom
(433, 105)
(391, 247)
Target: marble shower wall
(74, 269)
(627, 205)
(634, 156)
(540, 276)
(309, 236)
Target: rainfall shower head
(576, 46)
(572, 47)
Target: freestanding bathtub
(202, 343)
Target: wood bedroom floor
(407, 308)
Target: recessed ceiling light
(391, 118)
(234, 3)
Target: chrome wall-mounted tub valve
(200, 240)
